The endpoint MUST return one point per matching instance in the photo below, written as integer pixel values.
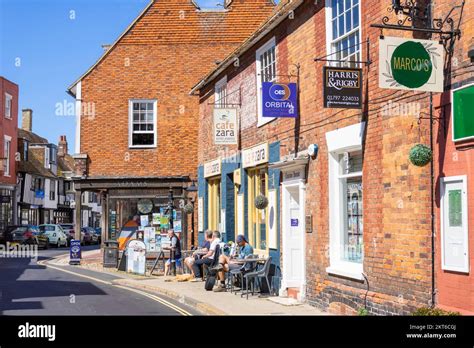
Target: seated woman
(226, 263)
(205, 246)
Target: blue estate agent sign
(75, 251)
(279, 99)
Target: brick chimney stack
(27, 120)
(62, 146)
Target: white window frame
(465, 220)
(330, 40)
(130, 123)
(9, 102)
(267, 46)
(339, 141)
(6, 152)
(219, 88)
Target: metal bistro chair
(239, 273)
(256, 275)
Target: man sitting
(206, 259)
(227, 263)
(176, 248)
(205, 246)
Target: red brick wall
(9, 127)
(397, 226)
(162, 57)
(455, 290)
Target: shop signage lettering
(225, 126)
(342, 88)
(255, 156)
(411, 64)
(279, 99)
(212, 168)
(294, 175)
(75, 251)
(4, 199)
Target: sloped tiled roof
(31, 137)
(65, 164)
(182, 22)
(35, 167)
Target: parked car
(89, 235)
(42, 238)
(55, 234)
(70, 231)
(20, 234)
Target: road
(32, 287)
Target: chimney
(62, 146)
(27, 120)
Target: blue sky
(44, 47)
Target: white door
(294, 234)
(454, 228)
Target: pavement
(193, 294)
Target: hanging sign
(225, 126)
(411, 64)
(212, 168)
(342, 88)
(279, 99)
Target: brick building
(136, 133)
(352, 227)
(454, 156)
(8, 144)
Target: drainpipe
(433, 286)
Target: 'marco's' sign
(411, 64)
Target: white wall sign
(256, 155)
(411, 64)
(294, 174)
(225, 126)
(212, 168)
(272, 219)
(240, 214)
(200, 214)
(222, 228)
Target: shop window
(221, 93)
(343, 31)
(8, 105)
(52, 190)
(142, 124)
(214, 204)
(258, 229)
(266, 59)
(25, 150)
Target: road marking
(158, 299)
(143, 293)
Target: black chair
(239, 273)
(252, 277)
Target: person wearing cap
(226, 263)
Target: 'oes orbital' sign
(279, 100)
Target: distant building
(8, 145)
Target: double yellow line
(143, 293)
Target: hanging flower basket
(261, 202)
(189, 208)
(420, 155)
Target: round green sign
(411, 64)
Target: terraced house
(136, 133)
(332, 141)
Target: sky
(45, 45)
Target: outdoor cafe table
(243, 261)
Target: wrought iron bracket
(409, 12)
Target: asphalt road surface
(31, 287)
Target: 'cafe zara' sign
(255, 156)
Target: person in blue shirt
(226, 263)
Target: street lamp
(170, 209)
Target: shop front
(6, 206)
(29, 214)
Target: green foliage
(261, 202)
(426, 311)
(189, 208)
(362, 312)
(421, 155)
